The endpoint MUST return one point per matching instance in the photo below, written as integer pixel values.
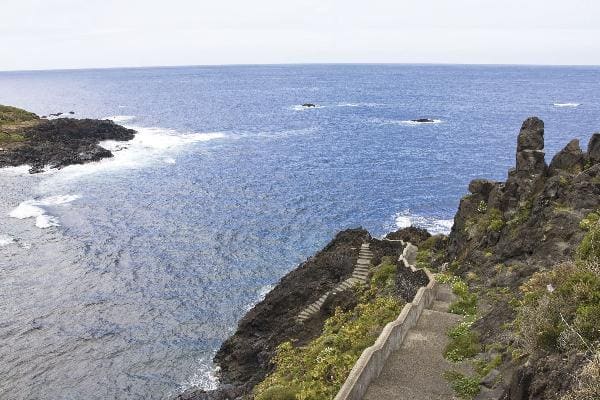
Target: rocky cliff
(514, 233)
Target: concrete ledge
(372, 360)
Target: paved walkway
(359, 275)
(414, 371)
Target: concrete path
(414, 371)
(360, 274)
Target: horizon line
(297, 64)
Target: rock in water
(308, 105)
(422, 120)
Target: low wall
(372, 359)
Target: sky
(57, 34)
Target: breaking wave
(405, 218)
(35, 209)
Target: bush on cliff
(560, 308)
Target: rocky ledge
(26, 139)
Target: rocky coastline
(27, 139)
(504, 235)
(245, 358)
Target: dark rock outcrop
(531, 136)
(60, 142)
(308, 105)
(593, 150)
(570, 159)
(411, 234)
(504, 232)
(422, 120)
(245, 356)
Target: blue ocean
(120, 279)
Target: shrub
(558, 302)
(466, 387)
(279, 392)
(589, 248)
(495, 221)
(466, 304)
(384, 277)
(464, 342)
(589, 221)
(482, 207)
(13, 114)
(11, 137)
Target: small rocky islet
(27, 139)
(507, 237)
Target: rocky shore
(245, 358)
(26, 139)
(507, 236)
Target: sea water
(120, 279)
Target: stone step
(362, 261)
(444, 293)
(313, 308)
(441, 306)
(366, 252)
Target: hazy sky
(44, 34)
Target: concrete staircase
(414, 371)
(359, 275)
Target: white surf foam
(405, 218)
(358, 104)
(568, 105)
(5, 240)
(34, 209)
(406, 122)
(300, 107)
(149, 145)
(121, 118)
(205, 378)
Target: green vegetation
(318, 370)
(489, 221)
(12, 120)
(464, 342)
(589, 248)
(466, 304)
(384, 277)
(482, 207)
(10, 114)
(466, 387)
(560, 308)
(11, 137)
(521, 216)
(427, 256)
(495, 221)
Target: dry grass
(587, 386)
